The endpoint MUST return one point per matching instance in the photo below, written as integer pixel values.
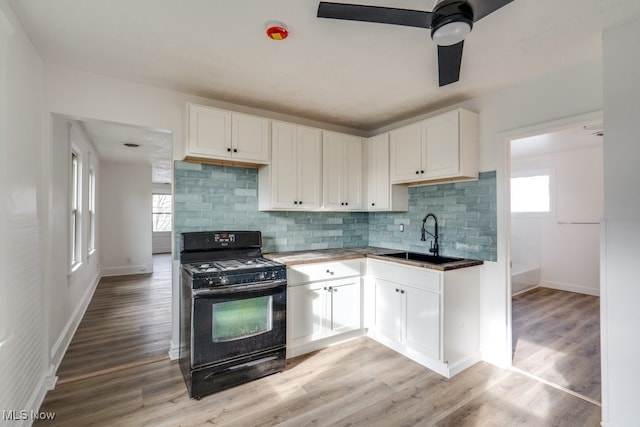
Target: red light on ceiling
(277, 32)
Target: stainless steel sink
(416, 256)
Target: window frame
(527, 173)
(75, 207)
(91, 244)
(153, 213)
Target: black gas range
(233, 311)
(233, 272)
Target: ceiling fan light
(451, 33)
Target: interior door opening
(557, 198)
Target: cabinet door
(284, 165)
(378, 182)
(250, 138)
(309, 171)
(388, 307)
(333, 164)
(342, 171)
(406, 153)
(352, 168)
(209, 132)
(442, 145)
(422, 321)
(345, 312)
(306, 313)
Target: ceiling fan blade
(383, 15)
(449, 61)
(482, 8)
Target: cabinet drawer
(405, 274)
(305, 273)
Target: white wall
(124, 192)
(568, 254)
(620, 316)
(23, 353)
(68, 293)
(526, 241)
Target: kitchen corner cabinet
(342, 171)
(430, 316)
(226, 137)
(440, 149)
(293, 179)
(322, 302)
(381, 195)
(409, 316)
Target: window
(161, 211)
(92, 210)
(532, 192)
(76, 222)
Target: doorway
(557, 199)
(113, 308)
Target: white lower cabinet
(323, 309)
(322, 304)
(430, 316)
(408, 316)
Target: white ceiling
(155, 146)
(574, 138)
(355, 74)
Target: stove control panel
(223, 239)
(230, 278)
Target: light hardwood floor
(556, 336)
(357, 383)
(128, 322)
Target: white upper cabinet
(380, 194)
(226, 136)
(293, 179)
(443, 148)
(342, 171)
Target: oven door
(237, 321)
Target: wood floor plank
(522, 401)
(127, 321)
(556, 336)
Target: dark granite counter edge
(328, 255)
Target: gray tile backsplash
(212, 197)
(467, 219)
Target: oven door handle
(236, 289)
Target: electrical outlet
(401, 228)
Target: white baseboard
(571, 288)
(323, 343)
(47, 382)
(174, 351)
(61, 345)
(523, 290)
(127, 269)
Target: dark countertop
(326, 255)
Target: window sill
(75, 267)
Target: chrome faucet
(434, 248)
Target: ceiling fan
(450, 22)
